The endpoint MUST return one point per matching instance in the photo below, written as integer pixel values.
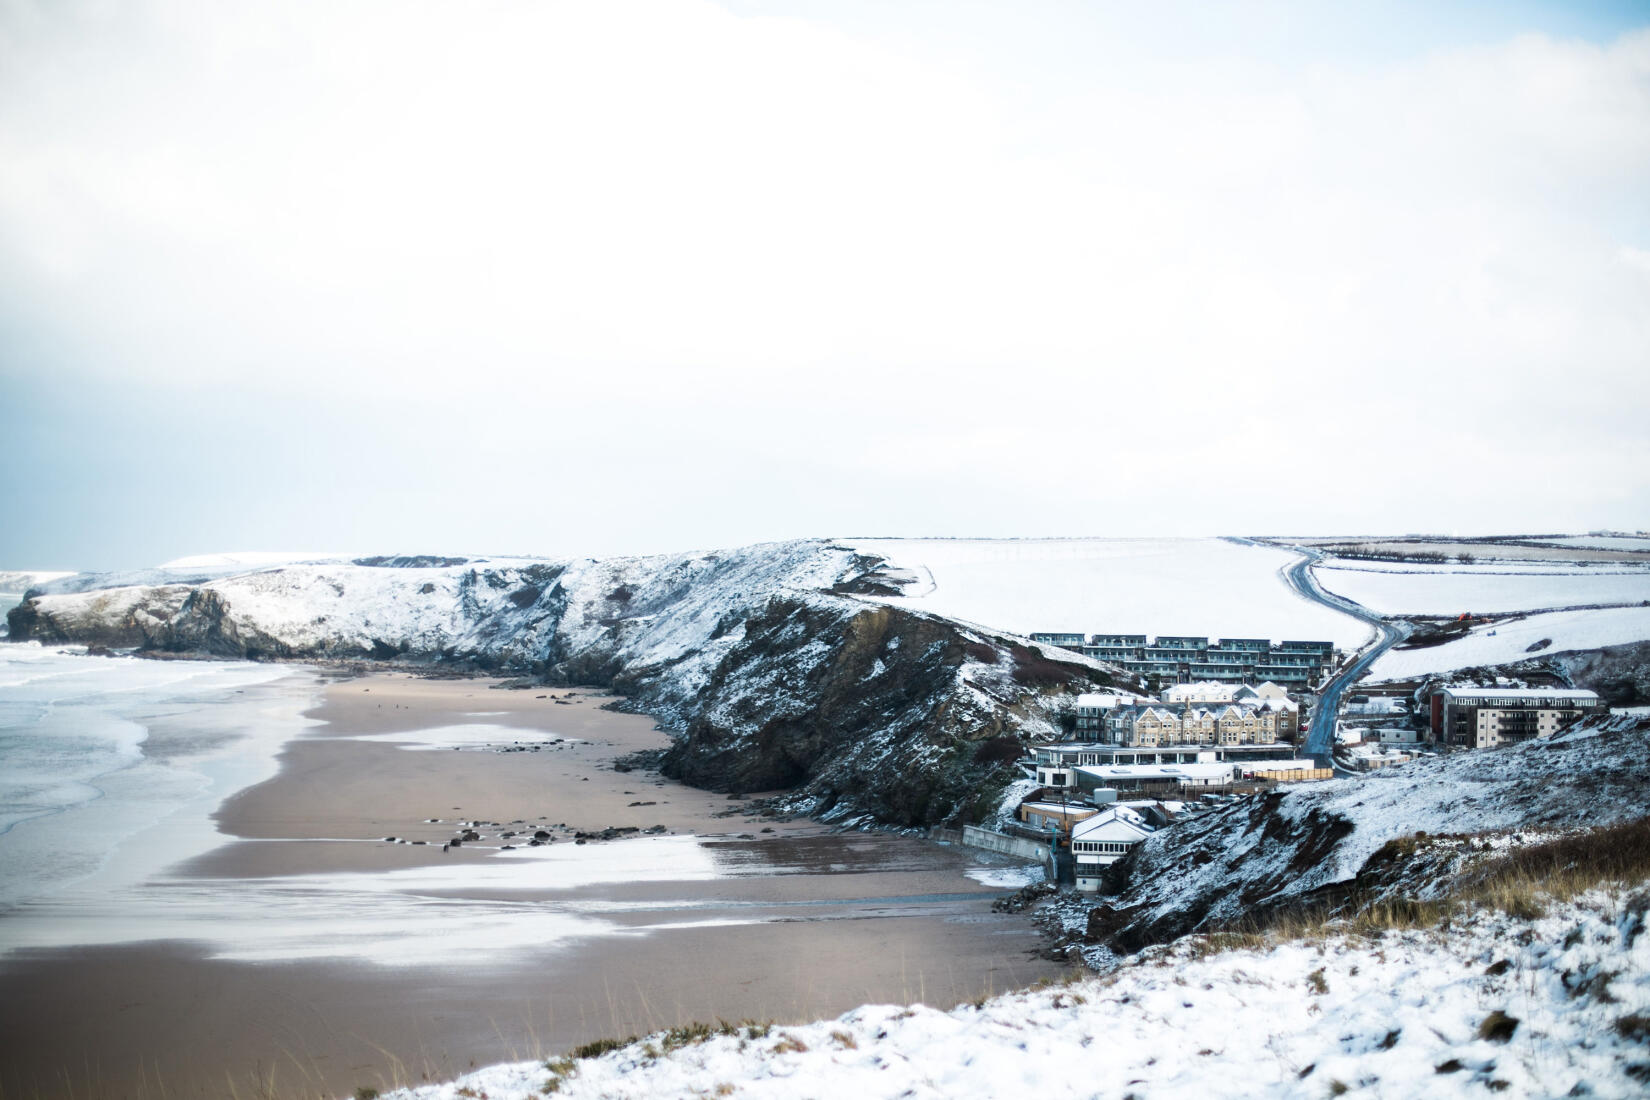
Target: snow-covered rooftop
(1158, 771)
(1518, 694)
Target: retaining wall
(991, 841)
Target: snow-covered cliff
(776, 663)
(1410, 831)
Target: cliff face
(774, 664)
(848, 703)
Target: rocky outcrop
(777, 666)
(845, 703)
(1620, 674)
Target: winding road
(1320, 736)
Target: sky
(568, 278)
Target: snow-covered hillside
(776, 673)
(1500, 643)
(1558, 1006)
(1211, 587)
(1316, 841)
(21, 580)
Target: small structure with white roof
(1104, 839)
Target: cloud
(822, 238)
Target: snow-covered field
(1408, 1014)
(1502, 643)
(1451, 590)
(1141, 586)
(1638, 543)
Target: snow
(1394, 1016)
(1210, 587)
(1007, 878)
(21, 580)
(1601, 542)
(1190, 773)
(1452, 590)
(1224, 865)
(250, 559)
(1506, 642)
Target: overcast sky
(578, 278)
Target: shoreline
(345, 960)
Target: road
(1320, 736)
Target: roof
(1157, 771)
(1117, 823)
(1066, 808)
(1278, 765)
(1513, 694)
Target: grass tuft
(601, 1046)
(1498, 1027)
(1636, 1027)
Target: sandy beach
(315, 956)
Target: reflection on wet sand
(307, 939)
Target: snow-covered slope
(21, 580)
(1212, 587)
(1317, 841)
(1486, 589)
(251, 559)
(1500, 643)
(777, 674)
(1558, 1006)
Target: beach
(291, 949)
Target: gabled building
(1104, 839)
(1148, 725)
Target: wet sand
(796, 923)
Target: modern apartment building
(1187, 658)
(1481, 718)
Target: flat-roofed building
(1133, 777)
(1064, 641)
(1055, 817)
(1482, 718)
(1063, 756)
(1285, 771)
(1185, 658)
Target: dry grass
(1498, 1027)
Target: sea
(110, 767)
